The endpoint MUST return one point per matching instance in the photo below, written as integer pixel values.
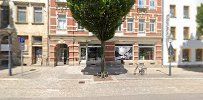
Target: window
(173, 58)
(119, 29)
(152, 25)
(186, 55)
(186, 12)
(173, 11)
(4, 16)
(21, 15)
(83, 53)
(141, 25)
(130, 25)
(124, 52)
(62, 22)
(146, 52)
(80, 27)
(199, 54)
(37, 14)
(141, 3)
(186, 33)
(152, 4)
(173, 33)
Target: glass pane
(123, 52)
(38, 17)
(146, 53)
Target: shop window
(186, 55)
(124, 52)
(146, 52)
(83, 53)
(199, 54)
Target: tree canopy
(199, 19)
(101, 17)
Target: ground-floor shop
(87, 50)
(186, 53)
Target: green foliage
(101, 17)
(199, 19)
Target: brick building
(138, 39)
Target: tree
(101, 17)
(199, 20)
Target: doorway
(37, 55)
(62, 54)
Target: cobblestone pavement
(67, 81)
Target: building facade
(138, 39)
(180, 28)
(30, 23)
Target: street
(62, 83)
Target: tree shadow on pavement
(194, 68)
(112, 69)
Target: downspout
(163, 25)
(48, 38)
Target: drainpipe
(48, 38)
(163, 25)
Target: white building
(181, 24)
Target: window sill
(186, 17)
(37, 23)
(172, 17)
(21, 23)
(62, 29)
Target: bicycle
(141, 67)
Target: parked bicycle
(141, 69)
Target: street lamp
(9, 30)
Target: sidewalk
(75, 73)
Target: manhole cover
(81, 82)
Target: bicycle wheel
(142, 71)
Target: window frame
(173, 15)
(150, 7)
(147, 46)
(63, 19)
(35, 12)
(17, 17)
(154, 25)
(144, 26)
(188, 12)
(201, 59)
(188, 33)
(174, 36)
(131, 23)
(143, 2)
(189, 56)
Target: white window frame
(152, 7)
(130, 23)
(62, 19)
(154, 23)
(34, 14)
(188, 16)
(24, 10)
(144, 26)
(141, 6)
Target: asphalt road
(125, 97)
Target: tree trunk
(103, 59)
